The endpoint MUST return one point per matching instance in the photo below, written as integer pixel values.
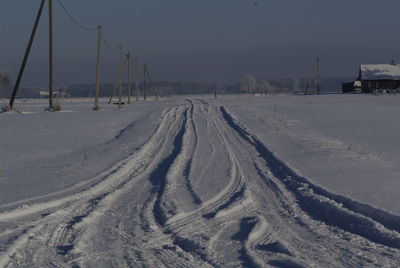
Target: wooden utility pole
(120, 82)
(318, 78)
(137, 78)
(26, 56)
(100, 35)
(144, 81)
(129, 77)
(153, 89)
(120, 95)
(121, 62)
(51, 55)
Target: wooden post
(96, 100)
(318, 78)
(27, 52)
(129, 77)
(50, 55)
(137, 78)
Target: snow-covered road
(202, 191)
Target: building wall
(369, 85)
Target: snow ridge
(318, 204)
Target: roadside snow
(348, 144)
(46, 155)
(201, 182)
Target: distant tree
(4, 79)
(263, 87)
(248, 83)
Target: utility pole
(121, 61)
(129, 77)
(144, 82)
(318, 78)
(100, 35)
(137, 78)
(154, 90)
(50, 55)
(120, 82)
(26, 56)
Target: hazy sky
(205, 40)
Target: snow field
(202, 190)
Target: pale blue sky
(207, 40)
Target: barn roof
(380, 72)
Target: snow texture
(274, 181)
(380, 72)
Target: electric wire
(75, 20)
(108, 44)
(83, 26)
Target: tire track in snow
(158, 176)
(188, 244)
(278, 248)
(201, 112)
(278, 175)
(314, 202)
(179, 195)
(186, 172)
(172, 227)
(225, 200)
(85, 201)
(149, 211)
(255, 219)
(269, 241)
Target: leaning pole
(26, 56)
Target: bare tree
(263, 87)
(248, 83)
(4, 81)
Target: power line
(108, 44)
(75, 20)
(85, 27)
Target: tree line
(247, 84)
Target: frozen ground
(282, 181)
(347, 143)
(42, 152)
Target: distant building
(63, 94)
(348, 87)
(376, 77)
(45, 94)
(56, 94)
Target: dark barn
(379, 77)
